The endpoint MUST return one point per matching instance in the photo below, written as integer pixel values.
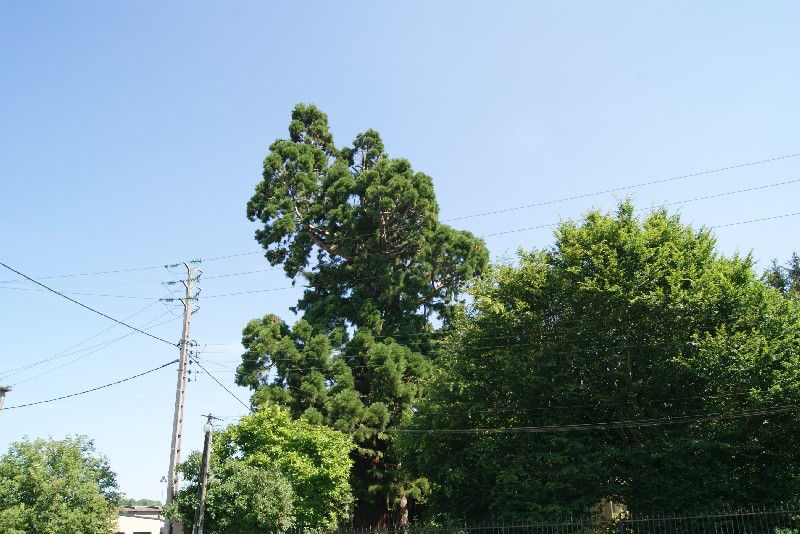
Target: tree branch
(317, 235)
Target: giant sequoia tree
(688, 359)
(361, 230)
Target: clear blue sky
(132, 135)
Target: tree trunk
(371, 515)
(402, 513)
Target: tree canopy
(627, 358)
(361, 230)
(315, 460)
(57, 486)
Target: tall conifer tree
(361, 230)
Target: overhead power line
(601, 426)
(66, 352)
(87, 307)
(97, 348)
(91, 274)
(243, 273)
(552, 225)
(234, 255)
(194, 359)
(91, 390)
(543, 203)
(757, 220)
(81, 294)
(794, 214)
(622, 188)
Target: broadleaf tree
(269, 472)
(361, 231)
(240, 498)
(57, 486)
(623, 321)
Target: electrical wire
(504, 232)
(412, 226)
(100, 347)
(89, 308)
(552, 225)
(66, 352)
(91, 390)
(757, 220)
(194, 359)
(212, 362)
(87, 274)
(252, 291)
(623, 188)
(602, 426)
(234, 255)
(240, 274)
(80, 294)
(548, 202)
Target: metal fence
(774, 521)
(778, 520)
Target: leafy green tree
(622, 320)
(315, 459)
(57, 487)
(361, 230)
(306, 468)
(240, 499)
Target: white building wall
(141, 520)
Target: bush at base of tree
(56, 487)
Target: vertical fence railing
(785, 520)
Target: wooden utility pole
(201, 508)
(183, 364)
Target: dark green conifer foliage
(361, 230)
(785, 278)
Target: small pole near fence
(621, 525)
(201, 508)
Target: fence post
(621, 525)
